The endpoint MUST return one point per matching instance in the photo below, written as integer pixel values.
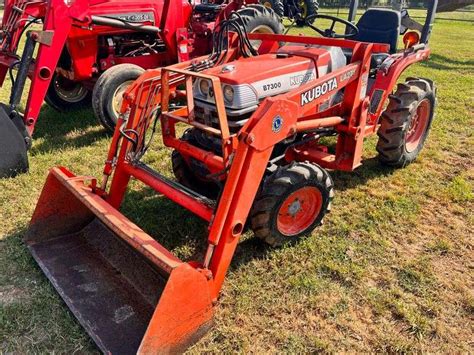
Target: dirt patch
(10, 294)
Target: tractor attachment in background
(126, 290)
(13, 148)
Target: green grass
(390, 270)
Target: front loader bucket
(129, 293)
(13, 150)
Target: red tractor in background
(296, 10)
(91, 50)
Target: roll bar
(430, 16)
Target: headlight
(204, 87)
(228, 93)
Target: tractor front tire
(291, 203)
(108, 92)
(406, 122)
(260, 19)
(307, 8)
(65, 95)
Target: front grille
(208, 116)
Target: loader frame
(354, 119)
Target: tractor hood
(247, 81)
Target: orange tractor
(256, 109)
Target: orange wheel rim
(299, 211)
(418, 125)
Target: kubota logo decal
(302, 79)
(277, 124)
(317, 91)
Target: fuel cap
(228, 68)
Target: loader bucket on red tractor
(129, 292)
(13, 149)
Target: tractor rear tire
(307, 8)
(109, 90)
(276, 5)
(291, 203)
(260, 19)
(406, 122)
(13, 148)
(65, 95)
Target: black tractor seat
(379, 26)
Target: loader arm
(76, 217)
(57, 18)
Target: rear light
(410, 39)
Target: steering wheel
(329, 32)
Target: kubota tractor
(256, 109)
(89, 51)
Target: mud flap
(13, 149)
(129, 292)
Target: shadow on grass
(370, 169)
(442, 62)
(53, 130)
(185, 234)
(176, 228)
(179, 230)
